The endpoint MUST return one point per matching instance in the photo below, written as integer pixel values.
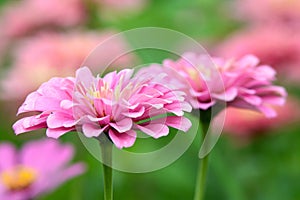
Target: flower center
(193, 73)
(18, 178)
(103, 92)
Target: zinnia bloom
(48, 55)
(23, 17)
(273, 45)
(117, 105)
(119, 6)
(244, 83)
(38, 168)
(270, 10)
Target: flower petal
(8, 156)
(92, 129)
(154, 129)
(123, 125)
(178, 122)
(122, 140)
(57, 132)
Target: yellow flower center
(193, 74)
(103, 92)
(18, 178)
(96, 94)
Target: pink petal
(103, 106)
(253, 100)
(49, 181)
(28, 105)
(46, 103)
(181, 123)
(280, 101)
(123, 125)
(122, 140)
(228, 95)
(99, 119)
(46, 155)
(57, 132)
(156, 130)
(201, 104)
(175, 108)
(28, 124)
(268, 111)
(272, 90)
(66, 104)
(84, 76)
(8, 156)
(265, 72)
(248, 61)
(92, 129)
(57, 120)
(134, 113)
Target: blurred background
(256, 158)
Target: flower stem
(106, 149)
(203, 163)
(201, 179)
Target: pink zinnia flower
(246, 123)
(38, 168)
(117, 105)
(23, 17)
(273, 45)
(270, 10)
(244, 83)
(37, 59)
(125, 5)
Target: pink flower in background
(38, 168)
(125, 5)
(110, 10)
(37, 59)
(117, 105)
(244, 83)
(270, 10)
(273, 45)
(23, 17)
(247, 123)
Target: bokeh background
(255, 158)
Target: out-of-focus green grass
(268, 168)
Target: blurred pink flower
(246, 123)
(116, 105)
(23, 17)
(273, 45)
(124, 5)
(244, 83)
(270, 10)
(38, 168)
(37, 59)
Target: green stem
(203, 163)
(106, 149)
(201, 179)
